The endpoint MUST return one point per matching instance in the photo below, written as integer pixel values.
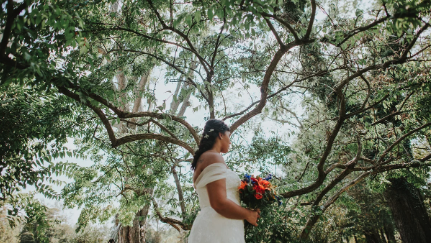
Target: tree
(34, 128)
(408, 210)
(348, 94)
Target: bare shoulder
(205, 160)
(209, 158)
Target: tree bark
(390, 233)
(372, 237)
(186, 102)
(137, 232)
(382, 236)
(408, 211)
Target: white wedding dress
(209, 226)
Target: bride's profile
(221, 218)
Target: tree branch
(310, 24)
(277, 37)
(124, 114)
(284, 23)
(276, 93)
(173, 222)
(11, 15)
(314, 218)
(204, 63)
(135, 137)
(98, 111)
(322, 175)
(264, 87)
(401, 139)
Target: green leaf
(210, 13)
(198, 16)
(189, 20)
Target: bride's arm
(227, 208)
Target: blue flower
(247, 178)
(268, 177)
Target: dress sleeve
(212, 172)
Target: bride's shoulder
(209, 158)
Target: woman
(221, 216)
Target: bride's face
(225, 142)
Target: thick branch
(310, 24)
(165, 116)
(98, 111)
(129, 138)
(331, 200)
(322, 175)
(315, 217)
(123, 114)
(349, 166)
(264, 87)
(11, 15)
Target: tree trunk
(408, 211)
(390, 233)
(143, 222)
(137, 232)
(129, 234)
(372, 237)
(382, 236)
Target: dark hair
(211, 131)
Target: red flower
(258, 196)
(259, 191)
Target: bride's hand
(253, 216)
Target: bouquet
(257, 192)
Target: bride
(221, 216)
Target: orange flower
(264, 183)
(243, 185)
(259, 190)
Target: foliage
(38, 223)
(350, 88)
(34, 129)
